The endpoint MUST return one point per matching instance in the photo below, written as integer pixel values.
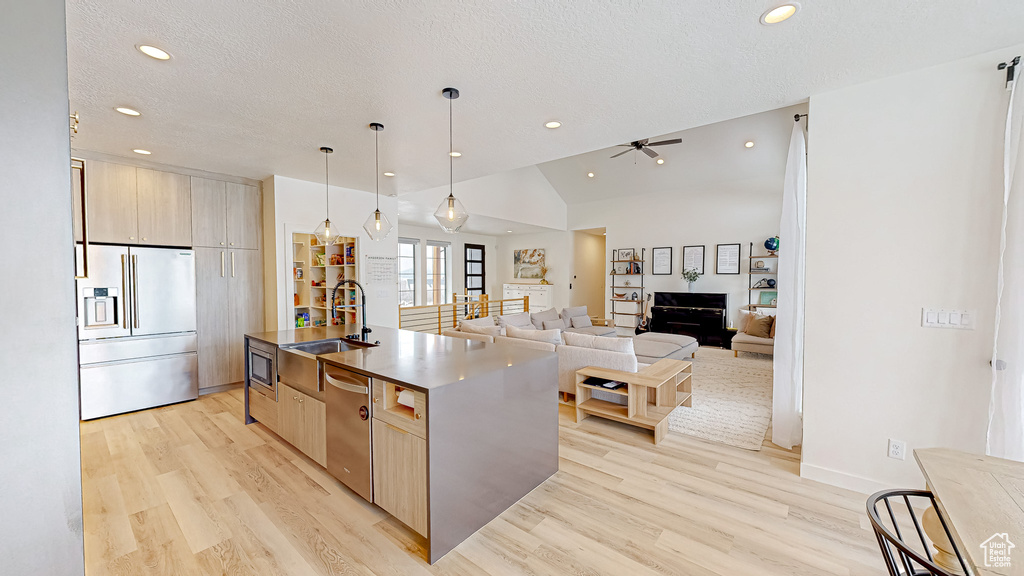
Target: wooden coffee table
(651, 394)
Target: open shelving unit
(316, 268)
(771, 262)
(634, 306)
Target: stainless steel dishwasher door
(348, 430)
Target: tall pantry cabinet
(229, 276)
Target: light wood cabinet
(112, 203)
(225, 214)
(209, 209)
(400, 475)
(164, 208)
(302, 422)
(244, 273)
(243, 216)
(213, 313)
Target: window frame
(445, 270)
(483, 269)
(415, 243)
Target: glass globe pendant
(326, 233)
(377, 225)
(451, 214)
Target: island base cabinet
(400, 475)
(302, 422)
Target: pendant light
(451, 214)
(325, 233)
(377, 225)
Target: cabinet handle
(131, 237)
(295, 397)
(221, 243)
(232, 243)
(221, 264)
(300, 400)
(144, 239)
(395, 428)
(232, 264)
(374, 400)
(418, 416)
(135, 288)
(124, 291)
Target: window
(407, 250)
(437, 273)
(474, 269)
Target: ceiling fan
(644, 146)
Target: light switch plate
(947, 318)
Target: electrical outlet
(897, 449)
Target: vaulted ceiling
(253, 89)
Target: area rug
(732, 399)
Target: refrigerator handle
(232, 264)
(135, 289)
(124, 291)
(222, 264)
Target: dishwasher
(348, 429)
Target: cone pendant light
(451, 214)
(377, 225)
(325, 233)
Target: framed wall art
(661, 259)
(693, 258)
(727, 259)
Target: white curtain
(787, 398)
(1006, 404)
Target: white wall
(904, 190)
(41, 505)
(457, 256)
(737, 213)
(558, 254)
(299, 205)
(588, 281)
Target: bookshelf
(316, 268)
(624, 274)
(768, 270)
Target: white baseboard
(842, 479)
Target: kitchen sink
(320, 347)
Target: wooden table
(980, 496)
(651, 394)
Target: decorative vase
(544, 281)
(690, 285)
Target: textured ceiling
(254, 89)
(710, 158)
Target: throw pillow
(775, 322)
(742, 319)
(569, 313)
(581, 322)
(538, 318)
(521, 320)
(580, 340)
(550, 336)
(553, 324)
(598, 342)
(760, 326)
(486, 330)
(485, 321)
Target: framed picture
(625, 254)
(693, 258)
(528, 263)
(727, 259)
(661, 259)
(769, 298)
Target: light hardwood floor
(189, 489)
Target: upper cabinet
(225, 214)
(165, 212)
(112, 204)
(128, 205)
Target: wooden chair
(903, 554)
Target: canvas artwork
(527, 263)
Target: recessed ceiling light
(779, 13)
(153, 52)
(389, 173)
(141, 151)
(509, 231)
(590, 174)
(661, 160)
(749, 144)
(128, 111)
(553, 124)
(455, 154)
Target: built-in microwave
(262, 371)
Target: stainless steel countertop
(414, 359)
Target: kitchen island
(443, 433)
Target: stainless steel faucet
(362, 294)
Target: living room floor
(190, 489)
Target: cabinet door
(112, 203)
(209, 210)
(245, 300)
(314, 430)
(165, 208)
(212, 316)
(400, 475)
(289, 415)
(243, 216)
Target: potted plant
(543, 274)
(691, 276)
